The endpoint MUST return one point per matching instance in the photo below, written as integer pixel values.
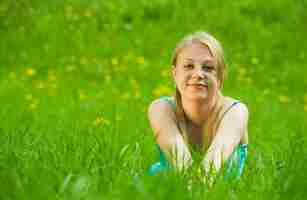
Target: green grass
(77, 128)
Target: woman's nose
(199, 72)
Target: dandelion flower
(97, 121)
(114, 61)
(242, 71)
(51, 77)
(101, 121)
(284, 99)
(28, 97)
(33, 106)
(140, 60)
(88, 13)
(137, 95)
(162, 90)
(30, 71)
(82, 95)
(165, 73)
(83, 61)
(125, 96)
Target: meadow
(77, 76)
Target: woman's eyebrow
(207, 61)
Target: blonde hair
(213, 119)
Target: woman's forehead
(195, 52)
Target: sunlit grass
(76, 79)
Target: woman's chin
(198, 96)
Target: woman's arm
(163, 122)
(232, 128)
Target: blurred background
(77, 76)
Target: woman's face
(195, 73)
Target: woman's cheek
(212, 86)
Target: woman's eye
(208, 68)
(188, 66)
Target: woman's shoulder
(169, 100)
(230, 102)
(164, 104)
(160, 113)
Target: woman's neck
(199, 111)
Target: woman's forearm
(181, 156)
(176, 151)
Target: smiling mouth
(198, 85)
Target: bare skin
(195, 76)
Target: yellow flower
(30, 71)
(28, 97)
(51, 77)
(137, 95)
(82, 95)
(125, 96)
(284, 99)
(134, 83)
(69, 11)
(305, 107)
(114, 61)
(101, 121)
(140, 60)
(32, 106)
(165, 73)
(83, 61)
(162, 90)
(242, 71)
(97, 121)
(88, 13)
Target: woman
(199, 116)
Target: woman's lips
(198, 86)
